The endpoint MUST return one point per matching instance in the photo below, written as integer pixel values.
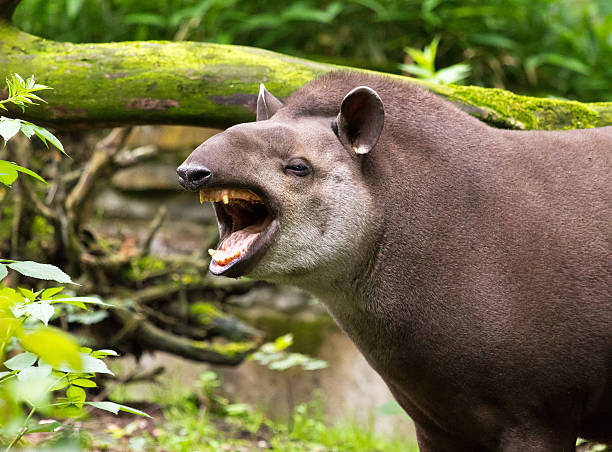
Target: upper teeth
(213, 195)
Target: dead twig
(101, 159)
(152, 230)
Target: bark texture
(192, 83)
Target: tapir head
(288, 190)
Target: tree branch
(193, 83)
(152, 230)
(102, 157)
(151, 336)
(33, 200)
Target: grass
(188, 427)
(202, 420)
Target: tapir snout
(193, 177)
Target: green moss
(143, 267)
(206, 312)
(505, 109)
(42, 236)
(229, 349)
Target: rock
(283, 299)
(175, 139)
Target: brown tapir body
(470, 265)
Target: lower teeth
(222, 257)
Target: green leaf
(40, 310)
(61, 381)
(48, 293)
(452, 74)
(155, 20)
(40, 271)
(535, 61)
(116, 407)
(104, 352)
(44, 135)
(8, 173)
(54, 347)
(85, 383)
(3, 271)
(106, 406)
(20, 80)
(27, 293)
(78, 304)
(19, 309)
(34, 372)
(9, 169)
(9, 127)
(282, 342)
(21, 361)
(44, 427)
(88, 364)
(27, 129)
(73, 7)
(76, 394)
(88, 300)
(314, 364)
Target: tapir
(472, 266)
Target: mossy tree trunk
(191, 83)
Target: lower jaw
(243, 264)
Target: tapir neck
(427, 193)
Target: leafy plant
(47, 360)
(187, 427)
(274, 356)
(424, 66)
(21, 93)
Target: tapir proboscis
(472, 266)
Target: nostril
(193, 177)
(199, 174)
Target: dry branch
(101, 159)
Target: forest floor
(200, 423)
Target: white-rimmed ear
(361, 119)
(267, 104)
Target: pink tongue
(239, 240)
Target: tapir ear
(267, 104)
(361, 119)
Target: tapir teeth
(223, 257)
(225, 196)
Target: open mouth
(246, 227)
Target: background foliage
(541, 47)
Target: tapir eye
(298, 167)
